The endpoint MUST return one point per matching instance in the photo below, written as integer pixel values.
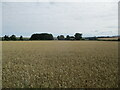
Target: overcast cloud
(92, 18)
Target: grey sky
(92, 18)
(0, 19)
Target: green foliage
(13, 37)
(61, 37)
(21, 37)
(6, 38)
(67, 37)
(42, 36)
(78, 36)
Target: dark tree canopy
(21, 37)
(6, 38)
(42, 36)
(78, 36)
(13, 37)
(61, 37)
(67, 37)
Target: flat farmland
(114, 38)
(59, 64)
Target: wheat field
(114, 38)
(59, 64)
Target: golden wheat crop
(108, 38)
(59, 64)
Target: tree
(78, 36)
(21, 37)
(61, 37)
(58, 37)
(67, 37)
(42, 36)
(13, 37)
(6, 38)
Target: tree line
(77, 36)
(12, 37)
(42, 36)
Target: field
(114, 38)
(60, 64)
